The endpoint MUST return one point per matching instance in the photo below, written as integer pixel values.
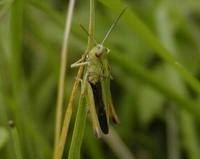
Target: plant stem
(117, 145)
(67, 118)
(61, 84)
(77, 137)
(16, 140)
(16, 27)
(189, 135)
(91, 25)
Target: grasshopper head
(101, 51)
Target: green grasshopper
(98, 76)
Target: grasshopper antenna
(85, 30)
(113, 25)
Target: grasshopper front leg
(80, 62)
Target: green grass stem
(16, 140)
(78, 132)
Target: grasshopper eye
(99, 46)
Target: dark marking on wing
(100, 107)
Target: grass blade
(61, 84)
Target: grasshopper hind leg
(100, 107)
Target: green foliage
(155, 55)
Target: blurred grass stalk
(63, 66)
(15, 66)
(117, 145)
(16, 140)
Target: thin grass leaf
(16, 140)
(61, 84)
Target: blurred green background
(157, 105)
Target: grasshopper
(98, 76)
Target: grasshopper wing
(92, 110)
(100, 107)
